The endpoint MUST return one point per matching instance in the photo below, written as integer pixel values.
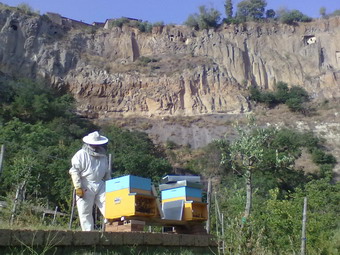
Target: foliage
(254, 151)
(207, 18)
(251, 9)
(25, 7)
(144, 61)
(143, 26)
(322, 11)
(134, 153)
(293, 16)
(293, 97)
(335, 13)
(270, 14)
(282, 218)
(228, 6)
(119, 22)
(207, 163)
(274, 226)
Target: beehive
(129, 196)
(183, 189)
(195, 211)
(134, 184)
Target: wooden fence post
(72, 208)
(208, 202)
(2, 152)
(55, 215)
(18, 198)
(303, 232)
(110, 164)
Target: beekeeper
(89, 171)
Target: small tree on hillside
(270, 14)
(25, 7)
(228, 6)
(247, 154)
(322, 12)
(293, 16)
(251, 9)
(335, 13)
(207, 18)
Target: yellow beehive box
(122, 203)
(195, 211)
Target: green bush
(144, 61)
(291, 17)
(293, 97)
(335, 13)
(251, 9)
(207, 18)
(119, 22)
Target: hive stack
(129, 196)
(182, 198)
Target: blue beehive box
(130, 182)
(185, 193)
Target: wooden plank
(207, 226)
(2, 152)
(162, 222)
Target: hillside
(172, 71)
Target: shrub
(251, 9)
(144, 61)
(293, 97)
(26, 8)
(295, 104)
(207, 18)
(291, 17)
(281, 92)
(335, 13)
(119, 22)
(270, 14)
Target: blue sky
(168, 11)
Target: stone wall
(40, 238)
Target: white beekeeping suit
(89, 171)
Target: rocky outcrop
(173, 70)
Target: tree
(335, 13)
(251, 9)
(248, 152)
(134, 153)
(228, 6)
(322, 12)
(293, 16)
(192, 21)
(25, 7)
(270, 14)
(207, 18)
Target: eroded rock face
(184, 72)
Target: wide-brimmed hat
(95, 138)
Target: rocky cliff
(173, 70)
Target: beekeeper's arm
(75, 171)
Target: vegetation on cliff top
(248, 10)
